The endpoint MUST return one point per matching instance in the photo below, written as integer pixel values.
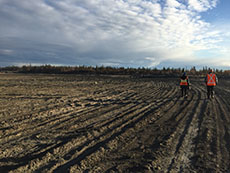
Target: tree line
(107, 70)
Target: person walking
(211, 81)
(184, 84)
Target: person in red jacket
(184, 84)
(211, 81)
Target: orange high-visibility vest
(211, 79)
(184, 81)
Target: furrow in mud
(61, 115)
(208, 139)
(119, 125)
(174, 148)
(121, 144)
(222, 144)
(59, 145)
(126, 125)
(118, 130)
(112, 121)
(112, 124)
(37, 132)
(62, 102)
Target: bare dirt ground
(70, 123)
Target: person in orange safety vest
(211, 81)
(184, 84)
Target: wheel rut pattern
(73, 123)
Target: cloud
(6, 51)
(114, 32)
(153, 61)
(202, 5)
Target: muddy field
(71, 123)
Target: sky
(117, 33)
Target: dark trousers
(184, 90)
(210, 91)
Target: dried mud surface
(71, 123)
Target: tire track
(208, 140)
(111, 123)
(181, 161)
(143, 124)
(119, 130)
(51, 117)
(125, 126)
(222, 141)
(180, 124)
(49, 149)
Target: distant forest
(102, 70)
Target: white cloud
(153, 61)
(6, 51)
(202, 5)
(173, 3)
(114, 31)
